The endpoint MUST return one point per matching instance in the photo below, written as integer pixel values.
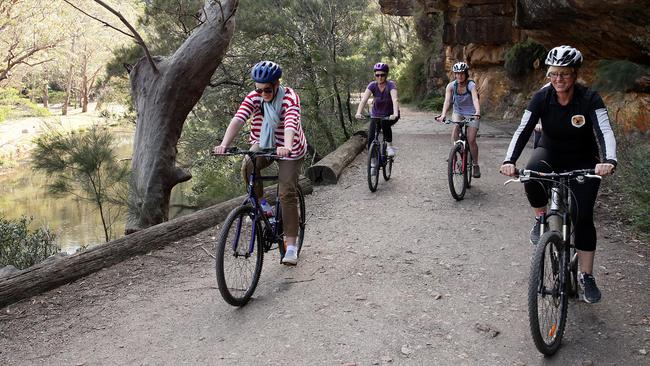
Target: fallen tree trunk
(52, 273)
(329, 169)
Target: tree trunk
(329, 169)
(339, 106)
(46, 95)
(68, 90)
(52, 273)
(84, 84)
(163, 98)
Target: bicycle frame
(259, 215)
(377, 141)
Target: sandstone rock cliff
(481, 31)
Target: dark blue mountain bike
(247, 234)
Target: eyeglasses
(265, 90)
(380, 75)
(561, 75)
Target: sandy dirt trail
(403, 276)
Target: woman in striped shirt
(274, 112)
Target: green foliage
(618, 75)
(84, 164)
(21, 247)
(522, 57)
(56, 97)
(412, 81)
(433, 102)
(634, 170)
(14, 105)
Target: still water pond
(76, 222)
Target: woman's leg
(247, 169)
(288, 180)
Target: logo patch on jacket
(578, 120)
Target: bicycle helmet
(565, 56)
(266, 72)
(460, 67)
(380, 66)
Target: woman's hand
(219, 150)
(508, 169)
(359, 116)
(604, 169)
(440, 118)
(283, 151)
(477, 116)
(392, 117)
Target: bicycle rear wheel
(240, 256)
(469, 170)
(547, 300)
(373, 174)
(455, 172)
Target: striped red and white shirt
(289, 119)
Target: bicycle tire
(237, 270)
(547, 302)
(572, 286)
(455, 172)
(469, 167)
(388, 168)
(373, 177)
(302, 212)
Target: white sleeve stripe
(515, 137)
(607, 133)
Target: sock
(291, 247)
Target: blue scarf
(272, 112)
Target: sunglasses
(561, 75)
(265, 90)
(380, 75)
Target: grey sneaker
(390, 151)
(534, 232)
(591, 291)
(476, 171)
(291, 256)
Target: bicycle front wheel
(455, 172)
(240, 256)
(547, 298)
(373, 171)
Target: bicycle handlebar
(268, 153)
(523, 175)
(365, 116)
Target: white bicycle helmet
(460, 67)
(565, 56)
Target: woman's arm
(232, 130)
(393, 96)
(445, 105)
(477, 104)
(364, 100)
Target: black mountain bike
(460, 162)
(377, 157)
(554, 267)
(247, 234)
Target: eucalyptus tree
(164, 91)
(26, 33)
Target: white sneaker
(291, 256)
(390, 151)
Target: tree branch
(99, 20)
(134, 34)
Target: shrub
(21, 248)
(618, 75)
(13, 104)
(432, 102)
(521, 58)
(634, 170)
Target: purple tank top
(382, 105)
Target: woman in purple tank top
(385, 104)
(464, 96)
